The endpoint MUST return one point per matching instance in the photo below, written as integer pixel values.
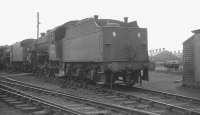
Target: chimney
(48, 31)
(125, 19)
(163, 49)
(42, 34)
(160, 50)
(96, 17)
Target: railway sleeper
(158, 105)
(37, 109)
(85, 108)
(179, 110)
(3, 95)
(22, 106)
(159, 111)
(142, 106)
(15, 102)
(18, 106)
(102, 112)
(129, 102)
(9, 99)
(119, 99)
(43, 112)
(30, 109)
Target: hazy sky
(169, 22)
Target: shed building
(191, 60)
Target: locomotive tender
(4, 57)
(95, 50)
(20, 55)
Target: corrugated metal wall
(191, 60)
(197, 58)
(188, 68)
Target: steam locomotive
(101, 51)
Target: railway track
(30, 104)
(34, 99)
(144, 100)
(184, 102)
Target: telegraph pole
(38, 24)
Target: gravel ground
(163, 81)
(167, 82)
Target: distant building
(191, 60)
(166, 61)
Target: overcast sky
(169, 22)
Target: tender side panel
(83, 49)
(188, 67)
(83, 28)
(82, 42)
(16, 53)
